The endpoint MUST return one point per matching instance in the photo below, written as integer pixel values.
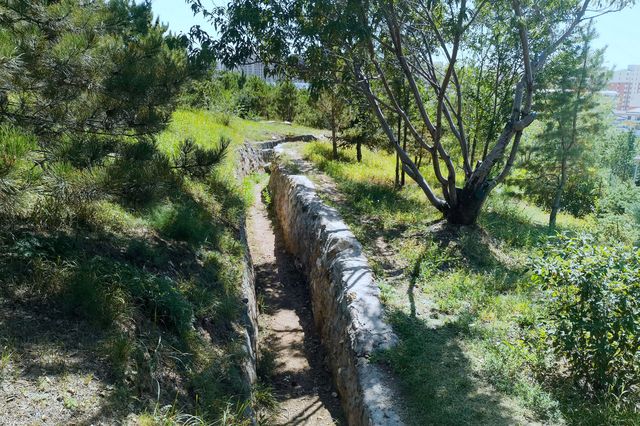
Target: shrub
(254, 100)
(617, 211)
(593, 296)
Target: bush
(618, 212)
(254, 100)
(593, 296)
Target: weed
(70, 403)
(266, 197)
(266, 364)
(5, 357)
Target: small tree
(362, 128)
(335, 111)
(286, 100)
(573, 122)
(622, 156)
(255, 98)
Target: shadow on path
(290, 348)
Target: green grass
(470, 350)
(155, 284)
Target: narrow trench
(290, 349)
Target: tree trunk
(396, 183)
(404, 147)
(398, 167)
(359, 150)
(334, 139)
(467, 210)
(557, 199)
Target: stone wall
(252, 157)
(249, 159)
(345, 299)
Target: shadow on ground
(291, 347)
(439, 383)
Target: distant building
(258, 69)
(252, 67)
(626, 83)
(629, 120)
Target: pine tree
(286, 100)
(622, 156)
(101, 67)
(561, 154)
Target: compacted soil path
(289, 344)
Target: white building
(626, 83)
(255, 68)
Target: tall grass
(151, 260)
(470, 350)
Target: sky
(620, 32)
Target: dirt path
(288, 341)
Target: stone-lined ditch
(323, 315)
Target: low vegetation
(497, 324)
(130, 297)
(121, 215)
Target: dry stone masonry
(344, 297)
(252, 157)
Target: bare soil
(49, 371)
(289, 343)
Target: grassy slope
(120, 309)
(470, 351)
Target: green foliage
(579, 195)
(593, 292)
(217, 92)
(139, 174)
(621, 155)
(85, 85)
(363, 128)
(286, 99)
(617, 212)
(254, 99)
(306, 112)
(198, 162)
(14, 146)
(98, 68)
